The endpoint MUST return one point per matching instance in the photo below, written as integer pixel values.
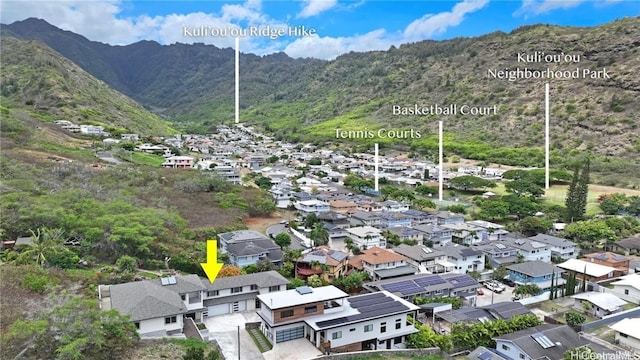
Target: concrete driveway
(299, 349)
(224, 329)
(296, 243)
(488, 294)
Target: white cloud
(430, 24)
(331, 47)
(315, 7)
(101, 20)
(537, 7)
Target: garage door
(218, 310)
(289, 334)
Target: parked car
(515, 297)
(494, 286)
(508, 282)
(480, 292)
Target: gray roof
(254, 247)
(506, 309)
(520, 242)
(430, 228)
(418, 252)
(184, 284)
(535, 268)
(455, 250)
(629, 243)
(262, 279)
(143, 300)
(241, 236)
(562, 337)
(552, 240)
(482, 353)
(230, 299)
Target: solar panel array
(462, 280)
(429, 280)
(369, 306)
(168, 280)
(406, 287)
(485, 355)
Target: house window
(137, 324)
(626, 291)
(368, 328)
(522, 356)
(383, 327)
(236, 290)
(254, 287)
(398, 324)
(213, 293)
(170, 320)
(310, 309)
(336, 335)
(286, 313)
(624, 335)
(274, 288)
(505, 347)
(182, 297)
(352, 329)
(258, 304)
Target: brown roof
(607, 257)
(330, 255)
(342, 204)
(376, 255)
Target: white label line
(237, 94)
(546, 136)
(440, 166)
(375, 165)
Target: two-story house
(312, 206)
(561, 249)
(498, 253)
(448, 217)
(428, 286)
(493, 231)
(391, 219)
(334, 322)
(591, 271)
(464, 259)
(528, 250)
(627, 288)
(327, 263)
(421, 217)
(178, 162)
(406, 233)
(360, 218)
(366, 237)
(239, 293)
(617, 261)
(343, 206)
(435, 235)
(466, 234)
(394, 206)
(424, 259)
(536, 272)
(381, 263)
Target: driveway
(276, 229)
(299, 349)
(224, 329)
(488, 295)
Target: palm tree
(44, 242)
(319, 234)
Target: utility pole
(238, 342)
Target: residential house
(428, 286)
(406, 233)
(314, 206)
(381, 263)
(448, 217)
(240, 293)
(343, 207)
(497, 253)
(627, 334)
(484, 353)
(328, 263)
(151, 148)
(369, 206)
(366, 237)
(93, 130)
(247, 247)
(536, 272)
(598, 304)
(544, 341)
(528, 250)
(334, 322)
(619, 262)
(334, 219)
(366, 218)
(463, 259)
(394, 206)
(424, 259)
(391, 219)
(561, 249)
(466, 234)
(156, 307)
(627, 288)
(504, 310)
(594, 272)
(421, 217)
(435, 235)
(130, 137)
(628, 246)
(178, 162)
(493, 231)
(282, 197)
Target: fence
(400, 352)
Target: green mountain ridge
(306, 99)
(37, 80)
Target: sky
(337, 26)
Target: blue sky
(341, 25)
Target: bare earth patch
(260, 224)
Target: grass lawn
(549, 306)
(146, 159)
(557, 194)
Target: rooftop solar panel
(543, 340)
(485, 356)
(429, 280)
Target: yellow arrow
(212, 267)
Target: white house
(627, 288)
(366, 237)
(529, 250)
(560, 248)
(598, 304)
(178, 162)
(334, 322)
(463, 259)
(382, 263)
(628, 333)
(312, 206)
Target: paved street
(276, 229)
